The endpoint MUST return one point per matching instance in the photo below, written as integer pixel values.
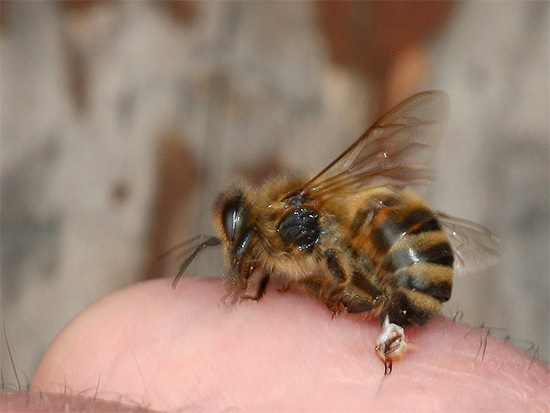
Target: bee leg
(284, 287)
(332, 303)
(325, 290)
(336, 297)
(334, 266)
(354, 304)
(359, 295)
(260, 292)
(391, 344)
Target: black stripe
(441, 254)
(440, 290)
(431, 225)
(403, 313)
(416, 216)
(395, 227)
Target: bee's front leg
(325, 290)
(391, 344)
(261, 289)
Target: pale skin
(166, 349)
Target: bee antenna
(210, 242)
(178, 246)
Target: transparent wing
(396, 151)
(475, 247)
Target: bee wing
(395, 151)
(475, 247)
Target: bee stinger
(357, 235)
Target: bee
(357, 235)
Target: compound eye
(233, 215)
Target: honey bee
(357, 235)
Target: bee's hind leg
(391, 344)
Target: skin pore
(150, 346)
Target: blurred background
(121, 121)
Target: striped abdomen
(415, 261)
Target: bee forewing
(396, 151)
(475, 247)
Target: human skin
(179, 349)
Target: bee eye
(233, 216)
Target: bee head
(232, 215)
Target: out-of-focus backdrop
(121, 121)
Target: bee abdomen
(419, 261)
(431, 248)
(420, 277)
(411, 307)
(390, 225)
(434, 280)
(413, 257)
(417, 268)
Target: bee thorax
(300, 228)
